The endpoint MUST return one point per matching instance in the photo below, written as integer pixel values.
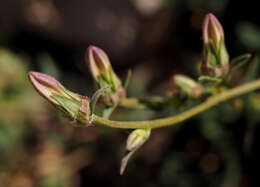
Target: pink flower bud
(212, 30)
(98, 62)
(74, 106)
(104, 75)
(215, 60)
(46, 85)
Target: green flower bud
(188, 86)
(104, 75)
(215, 61)
(74, 106)
(134, 141)
(137, 138)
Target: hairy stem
(210, 102)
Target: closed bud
(104, 75)
(215, 61)
(74, 106)
(134, 141)
(188, 86)
(99, 63)
(212, 31)
(137, 138)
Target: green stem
(210, 102)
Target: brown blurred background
(154, 38)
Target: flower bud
(99, 63)
(188, 86)
(137, 138)
(215, 61)
(212, 30)
(134, 141)
(104, 74)
(74, 106)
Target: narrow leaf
(125, 161)
(108, 111)
(128, 77)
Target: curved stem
(210, 102)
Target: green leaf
(240, 60)
(128, 77)
(108, 111)
(253, 70)
(125, 161)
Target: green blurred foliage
(248, 35)
(29, 153)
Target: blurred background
(154, 38)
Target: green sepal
(112, 80)
(212, 57)
(210, 80)
(68, 106)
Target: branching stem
(172, 120)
